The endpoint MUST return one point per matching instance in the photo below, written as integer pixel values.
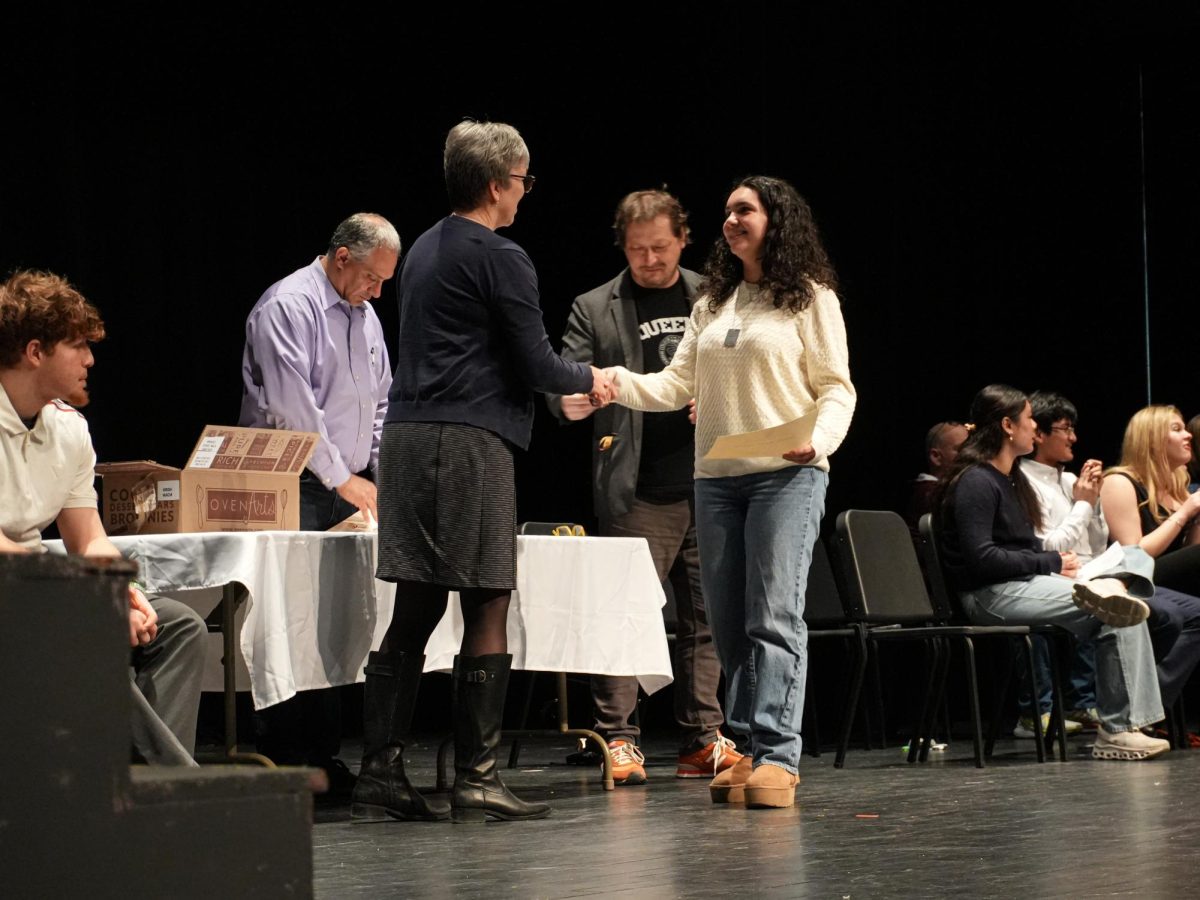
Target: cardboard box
(139, 497)
(237, 479)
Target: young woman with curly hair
(765, 344)
(1146, 500)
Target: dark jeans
(1179, 570)
(670, 530)
(320, 507)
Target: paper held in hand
(774, 441)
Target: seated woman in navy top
(987, 515)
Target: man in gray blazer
(642, 468)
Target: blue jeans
(756, 535)
(1174, 626)
(1127, 695)
(1080, 689)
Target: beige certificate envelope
(774, 441)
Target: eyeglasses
(527, 180)
(1068, 430)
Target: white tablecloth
(314, 609)
(581, 605)
(311, 614)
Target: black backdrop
(979, 182)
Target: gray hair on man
(362, 234)
(478, 153)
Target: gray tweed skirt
(447, 506)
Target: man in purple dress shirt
(315, 360)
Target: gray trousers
(670, 530)
(165, 682)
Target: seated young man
(46, 457)
(1072, 521)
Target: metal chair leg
(1180, 716)
(880, 711)
(565, 728)
(933, 652)
(1177, 732)
(999, 696)
(1041, 743)
(1060, 650)
(938, 700)
(232, 596)
(852, 695)
(973, 689)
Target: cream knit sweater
(772, 371)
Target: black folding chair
(948, 608)
(885, 591)
(826, 619)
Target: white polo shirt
(43, 470)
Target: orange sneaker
(628, 763)
(709, 760)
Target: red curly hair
(41, 306)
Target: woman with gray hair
(472, 351)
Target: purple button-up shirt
(315, 363)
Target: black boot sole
(474, 815)
(369, 813)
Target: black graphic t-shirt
(668, 438)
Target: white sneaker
(1108, 601)
(1129, 745)
(1024, 728)
(1088, 719)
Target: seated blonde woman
(1146, 500)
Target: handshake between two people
(604, 391)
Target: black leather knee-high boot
(383, 790)
(480, 685)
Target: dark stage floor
(878, 828)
